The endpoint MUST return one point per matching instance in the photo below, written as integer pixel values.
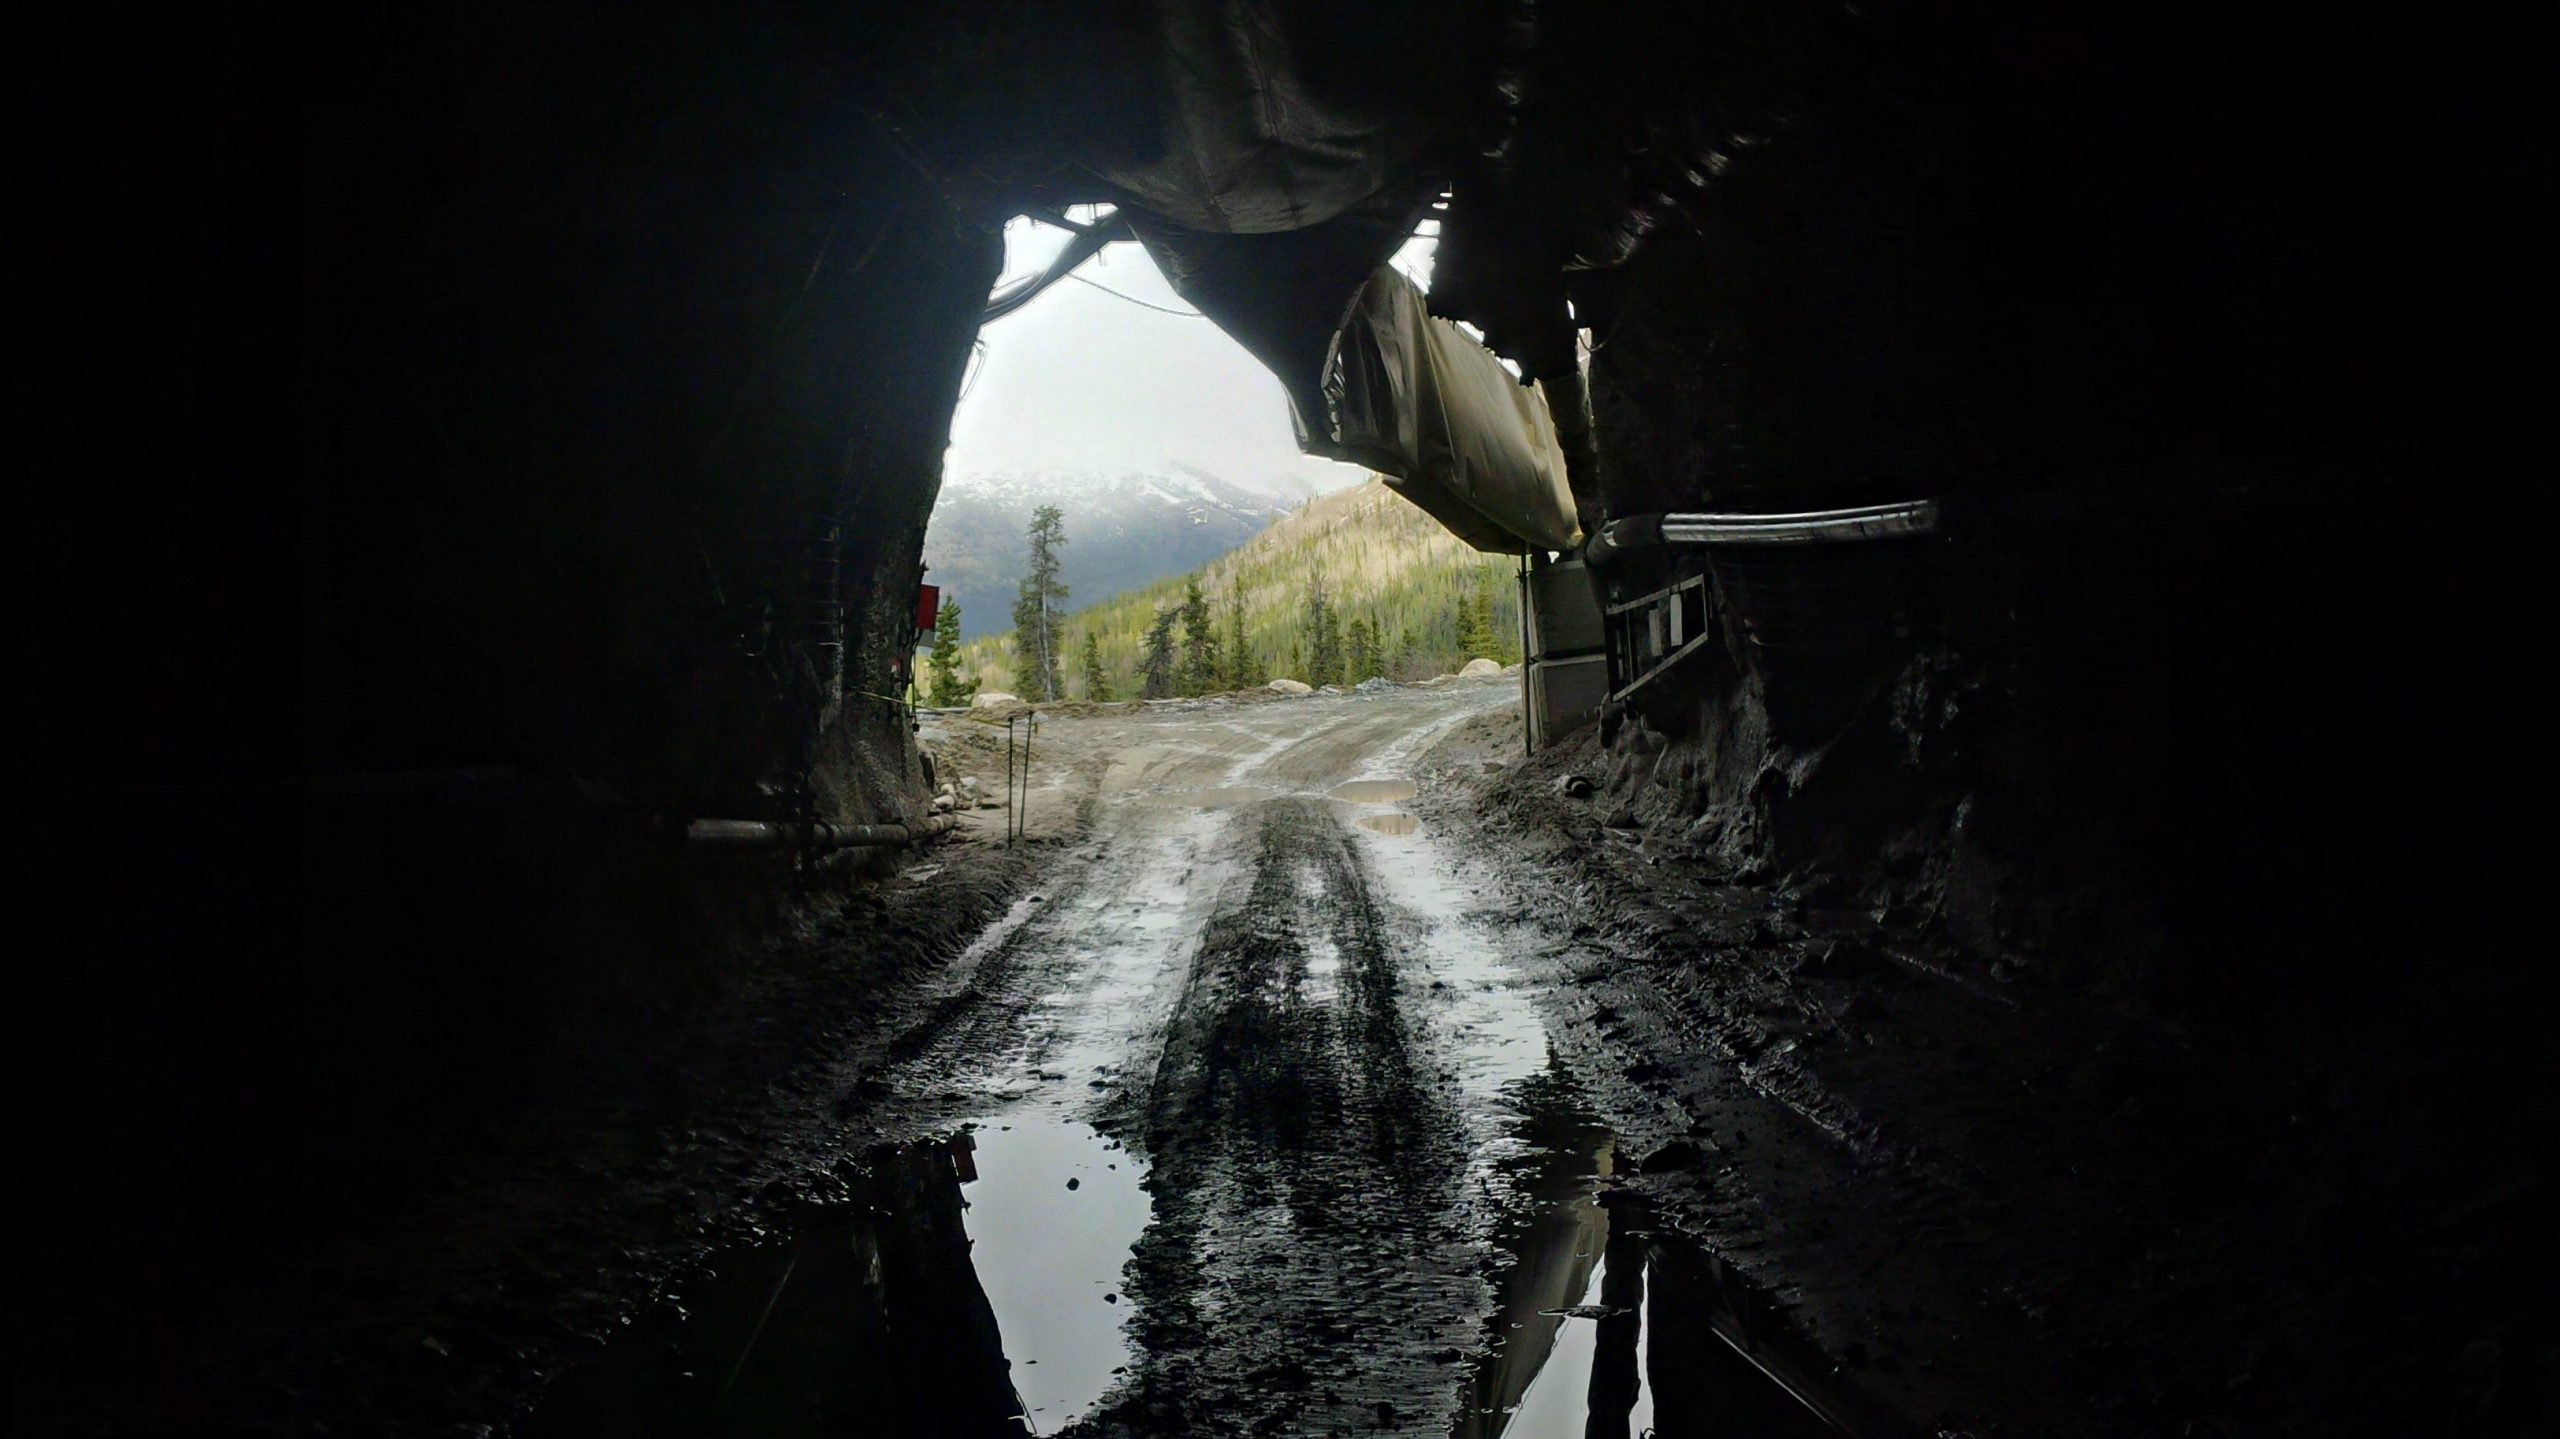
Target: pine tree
(1324, 636)
(950, 689)
(1242, 671)
(1476, 639)
(1156, 666)
(1097, 685)
(1200, 669)
(1364, 651)
(1038, 606)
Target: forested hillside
(1124, 530)
(1349, 585)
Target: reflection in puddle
(870, 1320)
(1575, 1394)
(1599, 1304)
(1395, 824)
(1555, 1233)
(1053, 1209)
(970, 1287)
(1374, 791)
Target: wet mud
(959, 1286)
(1249, 1123)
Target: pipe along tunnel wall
(471, 389)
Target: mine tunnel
(492, 955)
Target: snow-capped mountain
(1123, 530)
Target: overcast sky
(1080, 379)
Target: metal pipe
(1866, 522)
(815, 834)
(1802, 527)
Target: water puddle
(870, 1318)
(1391, 824)
(1053, 1209)
(1554, 1231)
(1567, 1395)
(1609, 1325)
(970, 1286)
(1374, 791)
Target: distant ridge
(1379, 559)
(1124, 530)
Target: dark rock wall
(2204, 745)
(2199, 698)
(445, 422)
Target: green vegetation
(951, 689)
(1323, 635)
(1203, 670)
(1476, 634)
(1097, 683)
(1352, 584)
(1155, 658)
(1037, 609)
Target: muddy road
(1246, 1121)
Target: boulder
(1290, 687)
(1373, 684)
(1332, 690)
(994, 700)
(1477, 667)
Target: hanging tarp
(1373, 380)
(1450, 428)
(1277, 115)
(1283, 296)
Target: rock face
(994, 700)
(1290, 687)
(1479, 667)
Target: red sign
(928, 607)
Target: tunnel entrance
(480, 841)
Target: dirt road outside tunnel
(1252, 1108)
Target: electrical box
(1567, 674)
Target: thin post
(1030, 727)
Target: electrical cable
(1141, 304)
